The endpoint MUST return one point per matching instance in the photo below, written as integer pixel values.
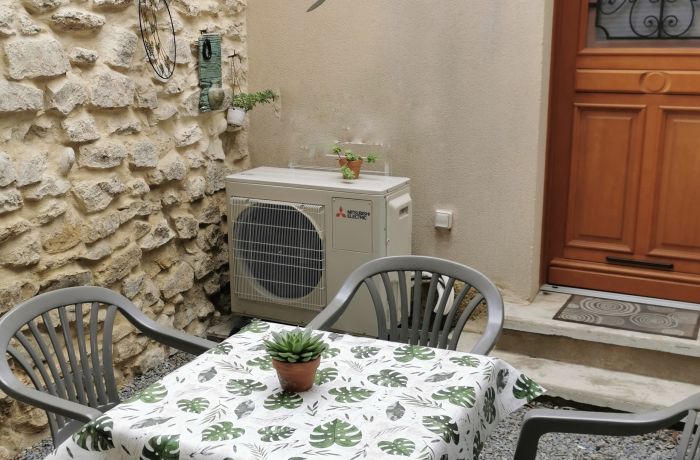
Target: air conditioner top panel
(313, 179)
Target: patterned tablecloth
(372, 399)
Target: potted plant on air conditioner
(295, 355)
(351, 164)
(244, 102)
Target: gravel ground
(500, 446)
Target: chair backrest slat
(428, 309)
(378, 308)
(29, 370)
(391, 301)
(57, 384)
(466, 314)
(454, 307)
(403, 295)
(440, 312)
(95, 354)
(76, 372)
(415, 308)
(110, 383)
(58, 352)
(88, 378)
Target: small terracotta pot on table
(354, 165)
(296, 377)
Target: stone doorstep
(537, 317)
(591, 385)
(599, 387)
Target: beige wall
(455, 92)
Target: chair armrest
(538, 422)
(15, 389)
(167, 335)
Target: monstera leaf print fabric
(372, 399)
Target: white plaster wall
(454, 91)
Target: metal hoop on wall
(161, 60)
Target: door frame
(569, 53)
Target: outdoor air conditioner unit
(296, 234)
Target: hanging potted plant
(244, 102)
(351, 164)
(295, 355)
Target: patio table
(372, 399)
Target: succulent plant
(296, 346)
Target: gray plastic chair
(434, 326)
(78, 388)
(537, 422)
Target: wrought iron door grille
(647, 19)
(279, 252)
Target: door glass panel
(644, 23)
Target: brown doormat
(631, 316)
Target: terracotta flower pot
(354, 165)
(296, 377)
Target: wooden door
(623, 164)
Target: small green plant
(296, 346)
(247, 101)
(347, 172)
(350, 156)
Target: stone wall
(109, 176)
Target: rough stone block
(22, 252)
(111, 89)
(15, 97)
(164, 111)
(62, 235)
(42, 6)
(215, 150)
(12, 228)
(170, 198)
(49, 211)
(82, 56)
(138, 187)
(141, 229)
(126, 125)
(161, 234)
(119, 48)
(118, 266)
(66, 278)
(146, 96)
(50, 185)
(65, 94)
(7, 21)
(195, 187)
(101, 226)
(112, 4)
(101, 155)
(172, 167)
(14, 292)
(7, 170)
(215, 175)
(176, 279)
(27, 26)
(96, 194)
(81, 128)
(77, 20)
(30, 167)
(96, 252)
(188, 135)
(186, 226)
(131, 285)
(36, 57)
(144, 154)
